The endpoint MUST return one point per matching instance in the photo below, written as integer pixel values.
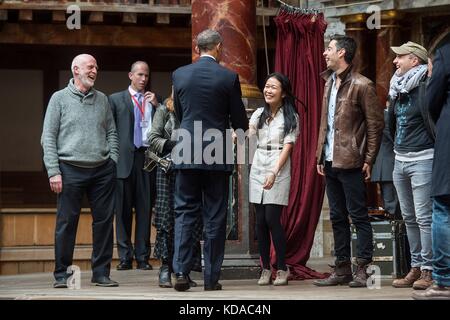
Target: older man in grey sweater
(80, 146)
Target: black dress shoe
(60, 283)
(192, 283)
(124, 265)
(104, 281)
(144, 266)
(181, 282)
(217, 286)
(164, 277)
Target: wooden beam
(97, 7)
(129, 18)
(263, 20)
(162, 18)
(97, 35)
(26, 15)
(96, 17)
(183, 8)
(58, 16)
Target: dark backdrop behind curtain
(299, 48)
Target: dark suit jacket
(208, 92)
(122, 107)
(438, 98)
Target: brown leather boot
(360, 276)
(342, 274)
(408, 280)
(424, 281)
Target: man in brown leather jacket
(349, 138)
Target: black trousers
(99, 186)
(134, 191)
(268, 225)
(346, 192)
(200, 193)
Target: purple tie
(137, 121)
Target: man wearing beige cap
(413, 136)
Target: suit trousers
(99, 186)
(205, 193)
(346, 192)
(134, 191)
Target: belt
(270, 148)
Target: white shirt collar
(133, 92)
(208, 55)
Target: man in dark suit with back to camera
(133, 111)
(207, 97)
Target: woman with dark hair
(164, 122)
(276, 127)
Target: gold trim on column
(250, 91)
(391, 14)
(355, 29)
(362, 17)
(390, 26)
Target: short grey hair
(208, 39)
(135, 64)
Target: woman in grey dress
(164, 122)
(276, 129)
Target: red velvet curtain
(299, 48)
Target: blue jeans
(412, 180)
(441, 240)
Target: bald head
(81, 59)
(84, 69)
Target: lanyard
(141, 107)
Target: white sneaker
(266, 278)
(282, 278)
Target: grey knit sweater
(78, 129)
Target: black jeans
(346, 192)
(99, 185)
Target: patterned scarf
(406, 82)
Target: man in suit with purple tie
(133, 110)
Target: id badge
(144, 124)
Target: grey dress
(270, 142)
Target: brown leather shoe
(342, 274)
(434, 292)
(407, 282)
(360, 276)
(424, 281)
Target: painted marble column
(236, 22)
(388, 36)
(355, 27)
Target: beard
(86, 81)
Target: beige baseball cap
(412, 47)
